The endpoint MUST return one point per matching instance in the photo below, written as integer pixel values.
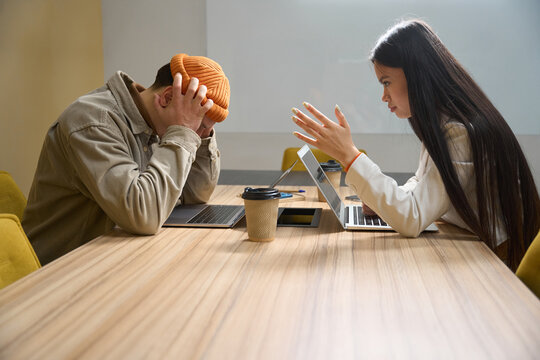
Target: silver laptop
(350, 217)
(204, 215)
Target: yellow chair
(12, 200)
(290, 156)
(17, 257)
(529, 267)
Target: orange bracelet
(353, 160)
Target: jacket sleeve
(411, 208)
(137, 201)
(204, 174)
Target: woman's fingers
(341, 118)
(305, 138)
(306, 119)
(318, 115)
(307, 128)
(334, 138)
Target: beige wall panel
(50, 53)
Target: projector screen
(280, 53)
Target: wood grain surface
(312, 293)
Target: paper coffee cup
(332, 169)
(261, 207)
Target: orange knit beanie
(209, 74)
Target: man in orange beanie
(124, 155)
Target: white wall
(139, 36)
(392, 152)
(279, 53)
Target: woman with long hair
(472, 171)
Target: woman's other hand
(368, 211)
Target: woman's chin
(404, 117)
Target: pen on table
(293, 191)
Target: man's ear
(165, 96)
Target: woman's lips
(392, 108)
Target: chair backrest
(12, 200)
(529, 267)
(17, 257)
(290, 155)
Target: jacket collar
(120, 84)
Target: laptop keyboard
(359, 218)
(216, 214)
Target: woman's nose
(385, 97)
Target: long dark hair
(440, 88)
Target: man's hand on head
(174, 108)
(206, 128)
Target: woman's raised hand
(332, 138)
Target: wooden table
(267, 177)
(313, 293)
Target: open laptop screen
(321, 180)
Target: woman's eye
(385, 83)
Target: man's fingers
(207, 106)
(192, 88)
(201, 94)
(177, 87)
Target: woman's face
(395, 89)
